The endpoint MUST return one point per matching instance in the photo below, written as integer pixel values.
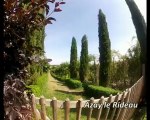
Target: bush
(69, 82)
(33, 79)
(98, 91)
(35, 89)
(61, 70)
(73, 83)
(62, 79)
(40, 86)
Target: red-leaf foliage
(51, 18)
(19, 22)
(52, 1)
(47, 8)
(57, 10)
(56, 4)
(62, 3)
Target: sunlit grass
(43, 88)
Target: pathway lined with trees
(56, 85)
(24, 59)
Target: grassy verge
(71, 83)
(44, 87)
(40, 87)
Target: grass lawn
(44, 87)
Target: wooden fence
(129, 96)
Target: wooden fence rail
(131, 95)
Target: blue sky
(79, 17)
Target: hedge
(98, 91)
(69, 82)
(89, 90)
(73, 83)
(58, 78)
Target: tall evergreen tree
(140, 27)
(104, 49)
(141, 31)
(84, 59)
(73, 59)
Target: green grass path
(57, 89)
(49, 87)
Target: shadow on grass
(85, 112)
(71, 92)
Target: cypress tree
(140, 27)
(73, 59)
(104, 49)
(84, 59)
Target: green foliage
(33, 79)
(36, 70)
(140, 27)
(35, 89)
(71, 83)
(62, 79)
(119, 72)
(127, 69)
(84, 59)
(40, 86)
(104, 49)
(92, 73)
(61, 70)
(36, 39)
(134, 61)
(98, 91)
(73, 59)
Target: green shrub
(62, 79)
(69, 82)
(98, 91)
(33, 79)
(73, 83)
(35, 89)
(40, 87)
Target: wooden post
(114, 109)
(107, 112)
(79, 109)
(134, 96)
(33, 105)
(121, 117)
(54, 108)
(131, 100)
(67, 108)
(90, 110)
(101, 101)
(43, 109)
(120, 109)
